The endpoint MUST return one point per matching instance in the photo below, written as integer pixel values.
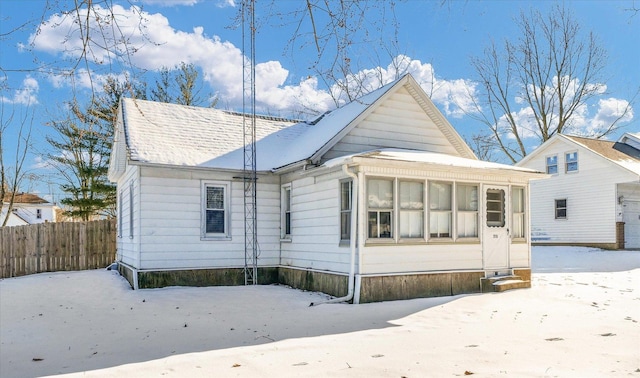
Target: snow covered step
(503, 283)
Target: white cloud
(171, 3)
(157, 44)
(26, 94)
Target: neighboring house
(593, 195)
(380, 199)
(27, 209)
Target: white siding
(399, 122)
(590, 193)
(128, 247)
(171, 211)
(315, 225)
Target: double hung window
(552, 164)
(440, 209)
(561, 208)
(380, 208)
(216, 210)
(571, 161)
(411, 209)
(346, 188)
(467, 215)
(286, 211)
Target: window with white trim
(561, 208)
(380, 208)
(552, 164)
(467, 214)
(38, 213)
(286, 211)
(411, 209)
(346, 196)
(571, 161)
(215, 219)
(440, 209)
(518, 213)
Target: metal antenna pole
(249, 130)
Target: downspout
(352, 241)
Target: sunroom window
(439, 210)
(518, 213)
(380, 208)
(467, 201)
(411, 209)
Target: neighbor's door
(495, 228)
(631, 219)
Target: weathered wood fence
(50, 247)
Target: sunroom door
(495, 229)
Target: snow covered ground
(580, 319)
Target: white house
(380, 199)
(28, 209)
(593, 195)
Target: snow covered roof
(170, 134)
(625, 152)
(434, 158)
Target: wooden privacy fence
(51, 247)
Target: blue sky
(436, 40)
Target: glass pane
(215, 197)
(215, 221)
(467, 224)
(385, 224)
(411, 195)
(373, 224)
(345, 226)
(345, 196)
(572, 167)
(287, 199)
(287, 223)
(517, 200)
(380, 194)
(439, 196)
(467, 197)
(518, 225)
(495, 208)
(561, 203)
(561, 213)
(440, 224)
(411, 224)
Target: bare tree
(11, 176)
(553, 68)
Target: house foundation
(372, 288)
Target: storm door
(495, 228)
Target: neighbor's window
(380, 208)
(495, 208)
(517, 209)
(411, 209)
(38, 213)
(286, 210)
(439, 210)
(215, 201)
(561, 209)
(346, 188)
(571, 161)
(467, 200)
(552, 164)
